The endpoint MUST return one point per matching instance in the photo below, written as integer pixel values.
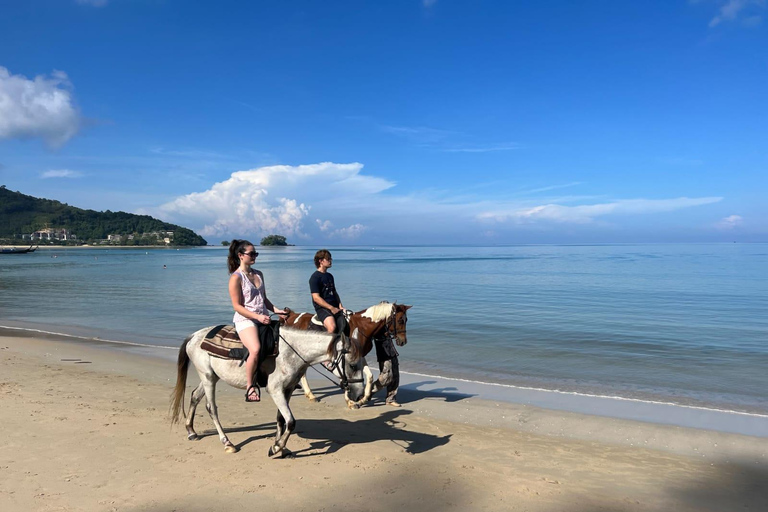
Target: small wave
(87, 338)
(588, 395)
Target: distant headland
(30, 220)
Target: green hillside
(21, 214)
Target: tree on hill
(21, 214)
(274, 240)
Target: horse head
(396, 324)
(349, 366)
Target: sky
(395, 122)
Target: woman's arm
(236, 295)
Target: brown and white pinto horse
(383, 319)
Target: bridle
(390, 327)
(337, 363)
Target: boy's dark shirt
(322, 283)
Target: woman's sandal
(253, 390)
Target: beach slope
(86, 427)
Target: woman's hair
(235, 248)
(321, 255)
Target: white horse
(297, 350)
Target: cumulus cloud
(61, 173)
(274, 199)
(40, 107)
(585, 214)
(350, 233)
(347, 205)
(733, 9)
(730, 222)
(324, 225)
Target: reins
(344, 382)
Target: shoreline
(413, 385)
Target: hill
(21, 215)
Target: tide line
(589, 395)
(456, 379)
(87, 338)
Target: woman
(249, 299)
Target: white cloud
(94, 3)
(61, 173)
(730, 222)
(585, 214)
(274, 199)
(42, 107)
(732, 9)
(350, 233)
(279, 199)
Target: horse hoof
(275, 452)
(230, 448)
(193, 437)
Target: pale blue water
(677, 323)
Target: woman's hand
(280, 311)
(262, 319)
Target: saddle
(223, 342)
(342, 324)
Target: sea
(674, 324)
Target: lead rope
(334, 365)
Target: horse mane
(380, 311)
(354, 347)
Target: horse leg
(307, 390)
(213, 411)
(197, 395)
(285, 421)
(368, 376)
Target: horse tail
(177, 395)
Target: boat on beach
(17, 250)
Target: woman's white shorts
(245, 324)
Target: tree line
(21, 214)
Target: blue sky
(385, 122)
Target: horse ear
(406, 308)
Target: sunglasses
(252, 254)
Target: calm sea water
(686, 324)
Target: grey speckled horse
(298, 349)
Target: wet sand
(86, 428)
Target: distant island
(274, 240)
(30, 220)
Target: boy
(325, 298)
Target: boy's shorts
(323, 313)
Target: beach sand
(85, 427)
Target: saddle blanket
(223, 342)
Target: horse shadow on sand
(328, 436)
(406, 393)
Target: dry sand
(86, 428)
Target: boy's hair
(321, 255)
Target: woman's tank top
(253, 297)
